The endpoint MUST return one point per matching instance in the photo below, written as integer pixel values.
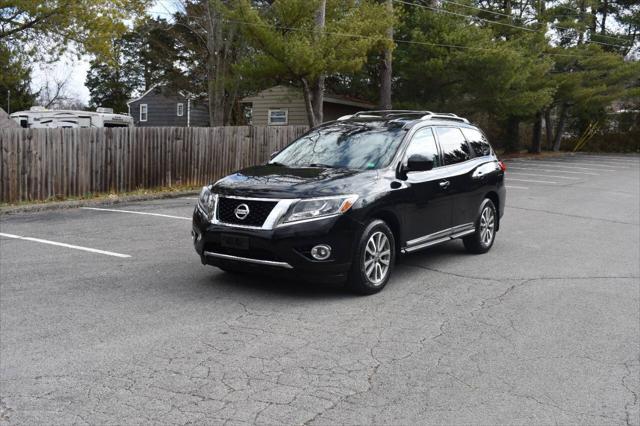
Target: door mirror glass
(419, 163)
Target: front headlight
(319, 207)
(207, 201)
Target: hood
(275, 181)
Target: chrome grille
(258, 211)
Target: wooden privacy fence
(37, 164)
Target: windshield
(343, 145)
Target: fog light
(321, 252)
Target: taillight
(503, 166)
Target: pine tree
(290, 44)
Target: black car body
(427, 181)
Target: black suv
(343, 200)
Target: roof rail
(391, 113)
(443, 116)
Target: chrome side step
(436, 241)
(463, 233)
(248, 260)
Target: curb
(112, 200)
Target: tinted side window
(424, 143)
(479, 144)
(453, 144)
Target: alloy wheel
(487, 225)
(377, 258)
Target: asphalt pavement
(108, 317)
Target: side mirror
(419, 163)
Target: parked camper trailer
(39, 118)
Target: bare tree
(54, 91)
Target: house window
(143, 112)
(180, 110)
(278, 117)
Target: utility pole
(386, 68)
(318, 85)
(8, 101)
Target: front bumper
(282, 249)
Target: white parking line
(532, 181)
(539, 175)
(553, 164)
(134, 212)
(597, 163)
(607, 158)
(516, 187)
(593, 166)
(55, 243)
(551, 170)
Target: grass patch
(108, 196)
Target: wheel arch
(392, 220)
(493, 196)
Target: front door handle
(444, 184)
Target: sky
(76, 69)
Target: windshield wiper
(326, 166)
(275, 163)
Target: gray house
(160, 107)
(284, 105)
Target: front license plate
(234, 241)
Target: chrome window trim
(248, 260)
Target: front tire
(482, 240)
(374, 258)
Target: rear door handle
(444, 184)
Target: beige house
(284, 105)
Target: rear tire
(482, 240)
(373, 259)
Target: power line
(478, 8)
(423, 43)
(342, 34)
(578, 12)
(465, 16)
(497, 22)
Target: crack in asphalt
(634, 394)
(501, 280)
(599, 219)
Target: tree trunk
(548, 127)
(317, 101)
(605, 11)
(306, 92)
(560, 128)
(536, 140)
(386, 67)
(512, 141)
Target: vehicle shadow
(277, 286)
(270, 285)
